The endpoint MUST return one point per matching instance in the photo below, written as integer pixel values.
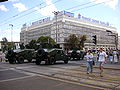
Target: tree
(73, 41)
(46, 41)
(4, 44)
(82, 40)
(32, 44)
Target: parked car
(18, 56)
(50, 56)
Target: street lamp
(56, 14)
(11, 30)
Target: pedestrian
(111, 57)
(1, 56)
(115, 56)
(102, 59)
(89, 57)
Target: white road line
(16, 78)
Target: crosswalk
(110, 80)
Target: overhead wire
(65, 9)
(92, 5)
(22, 12)
(13, 18)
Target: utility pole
(56, 14)
(11, 30)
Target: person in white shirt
(102, 58)
(89, 57)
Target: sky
(15, 13)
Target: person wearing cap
(102, 59)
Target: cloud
(21, 7)
(7, 33)
(110, 3)
(47, 11)
(3, 8)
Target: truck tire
(20, 60)
(66, 61)
(38, 62)
(52, 61)
(10, 61)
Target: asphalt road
(29, 76)
(14, 80)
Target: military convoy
(50, 56)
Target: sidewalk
(112, 66)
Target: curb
(105, 67)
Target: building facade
(119, 42)
(62, 26)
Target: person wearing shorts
(102, 60)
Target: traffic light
(94, 39)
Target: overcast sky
(18, 12)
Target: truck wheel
(20, 60)
(37, 62)
(52, 61)
(65, 61)
(10, 61)
(47, 62)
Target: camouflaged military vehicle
(18, 56)
(50, 56)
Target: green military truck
(50, 56)
(18, 56)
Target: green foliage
(75, 42)
(82, 40)
(7, 45)
(43, 41)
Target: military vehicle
(50, 56)
(76, 54)
(18, 56)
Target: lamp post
(56, 14)
(11, 30)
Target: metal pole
(56, 13)
(11, 30)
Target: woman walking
(102, 60)
(111, 57)
(89, 57)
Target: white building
(119, 42)
(65, 24)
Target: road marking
(16, 78)
(72, 82)
(3, 70)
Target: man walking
(102, 58)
